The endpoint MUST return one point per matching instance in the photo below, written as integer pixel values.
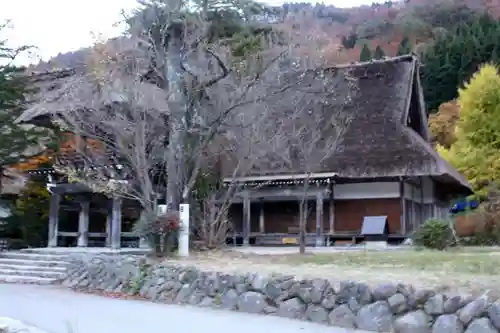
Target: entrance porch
(89, 220)
(267, 213)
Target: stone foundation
(385, 308)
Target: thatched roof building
(382, 165)
(387, 135)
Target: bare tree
(314, 120)
(158, 103)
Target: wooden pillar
(319, 220)
(116, 223)
(422, 217)
(403, 207)
(53, 219)
(83, 224)
(109, 230)
(261, 219)
(246, 218)
(331, 208)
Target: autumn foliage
(476, 147)
(69, 146)
(442, 124)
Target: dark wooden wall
(349, 213)
(283, 217)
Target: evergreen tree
(404, 46)
(453, 57)
(350, 41)
(379, 53)
(365, 54)
(17, 142)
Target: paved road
(59, 310)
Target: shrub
(161, 231)
(434, 234)
(27, 226)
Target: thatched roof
(378, 142)
(60, 88)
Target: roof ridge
(385, 60)
(50, 71)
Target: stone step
(33, 256)
(28, 262)
(26, 279)
(36, 273)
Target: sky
(55, 26)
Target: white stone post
(83, 225)
(53, 219)
(116, 223)
(184, 232)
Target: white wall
(428, 185)
(373, 190)
(413, 192)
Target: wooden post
(116, 223)
(422, 217)
(109, 230)
(331, 207)
(246, 218)
(83, 224)
(261, 218)
(53, 219)
(319, 220)
(402, 216)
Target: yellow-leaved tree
(476, 149)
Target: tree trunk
(302, 226)
(177, 120)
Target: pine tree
(17, 142)
(453, 57)
(379, 53)
(366, 54)
(404, 46)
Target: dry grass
(473, 270)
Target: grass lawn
(476, 261)
(472, 270)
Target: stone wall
(385, 308)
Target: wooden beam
(83, 225)
(53, 219)
(319, 220)
(116, 223)
(246, 218)
(291, 193)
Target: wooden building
(384, 166)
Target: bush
(28, 222)
(161, 232)
(434, 234)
